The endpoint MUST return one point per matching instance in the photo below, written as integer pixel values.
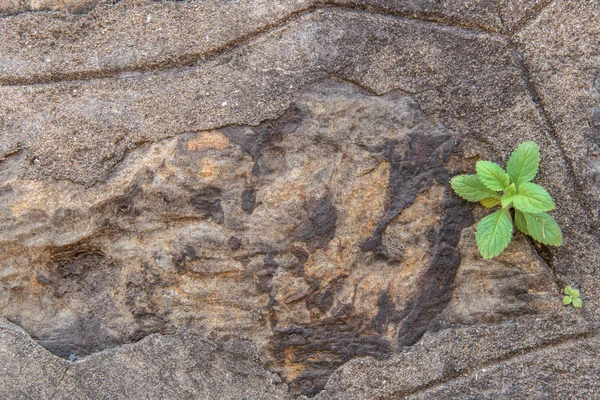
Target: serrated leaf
(492, 175)
(470, 187)
(543, 228)
(506, 200)
(490, 202)
(575, 293)
(524, 163)
(568, 290)
(567, 300)
(520, 222)
(577, 302)
(511, 190)
(494, 233)
(532, 198)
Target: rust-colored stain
(207, 169)
(207, 141)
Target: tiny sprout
(572, 297)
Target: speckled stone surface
(250, 199)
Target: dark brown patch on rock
(436, 283)
(386, 313)
(319, 227)
(248, 200)
(80, 274)
(180, 259)
(410, 175)
(208, 201)
(234, 243)
(252, 139)
(315, 351)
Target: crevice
(550, 130)
(191, 60)
(58, 385)
(524, 22)
(181, 61)
(418, 15)
(545, 253)
(492, 362)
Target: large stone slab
(325, 234)
(182, 366)
(283, 185)
(128, 37)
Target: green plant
(529, 201)
(572, 297)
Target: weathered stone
(70, 6)
(451, 361)
(495, 16)
(128, 37)
(150, 250)
(181, 366)
(516, 282)
(561, 50)
(175, 176)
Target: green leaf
(567, 300)
(568, 290)
(506, 200)
(494, 233)
(492, 175)
(520, 222)
(574, 293)
(543, 228)
(524, 163)
(532, 198)
(469, 187)
(511, 190)
(577, 303)
(490, 202)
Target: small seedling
(572, 297)
(529, 201)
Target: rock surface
(176, 367)
(250, 199)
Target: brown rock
(177, 175)
(516, 282)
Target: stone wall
(264, 186)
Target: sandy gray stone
(441, 359)
(495, 16)
(565, 370)
(181, 366)
(128, 37)
(9, 7)
(562, 53)
(27, 370)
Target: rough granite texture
(250, 199)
